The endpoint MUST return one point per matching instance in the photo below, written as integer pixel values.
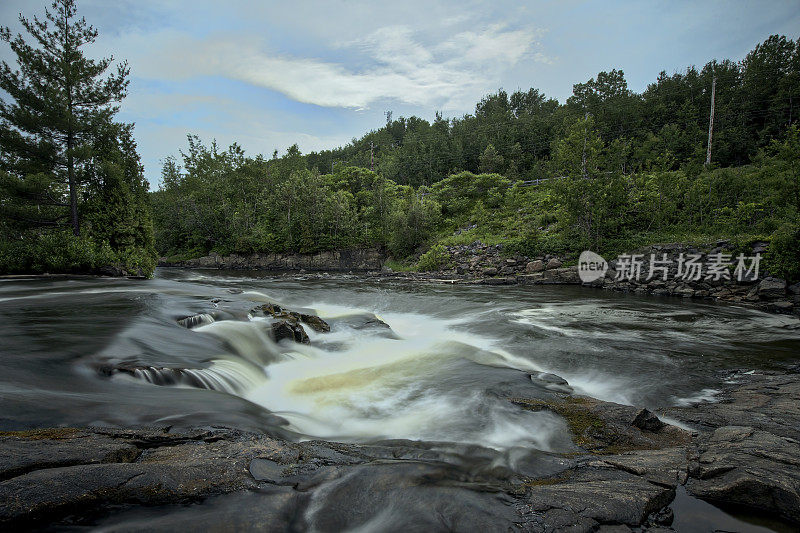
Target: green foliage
(414, 220)
(63, 159)
(62, 252)
(783, 255)
(621, 170)
(436, 258)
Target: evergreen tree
(59, 102)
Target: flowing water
(402, 360)
(442, 372)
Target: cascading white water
(357, 384)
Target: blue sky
(271, 74)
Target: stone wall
(337, 260)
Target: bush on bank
(63, 253)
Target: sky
(271, 74)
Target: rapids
(442, 371)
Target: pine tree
(60, 100)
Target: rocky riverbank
(359, 259)
(487, 264)
(484, 264)
(624, 472)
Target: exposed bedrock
(624, 473)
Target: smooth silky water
(442, 373)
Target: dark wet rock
(122, 470)
(769, 401)
(25, 451)
(276, 311)
(287, 329)
(605, 427)
(361, 321)
(315, 323)
(551, 382)
(748, 444)
(749, 467)
(647, 420)
(550, 378)
(663, 517)
(666, 467)
(627, 477)
(595, 496)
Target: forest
(609, 169)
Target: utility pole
(583, 157)
(371, 156)
(711, 119)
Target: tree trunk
(73, 189)
(73, 186)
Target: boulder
(553, 263)
(276, 311)
(286, 329)
(647, 420)
(534, 266)
(772, 289)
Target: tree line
(663, 128)
(624, 169)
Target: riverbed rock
(647, 420)
(276, 311)
(772, 289)
(744, 466)
(606, 427)
(288, 329)
(748, 444)
(743, 452)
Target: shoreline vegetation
(609, 170)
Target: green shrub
(783, 256)
(60, 252)
(436, 258)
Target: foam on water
(378, 387)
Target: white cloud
(394, 64)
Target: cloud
(391, 63)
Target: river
(442, 372)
